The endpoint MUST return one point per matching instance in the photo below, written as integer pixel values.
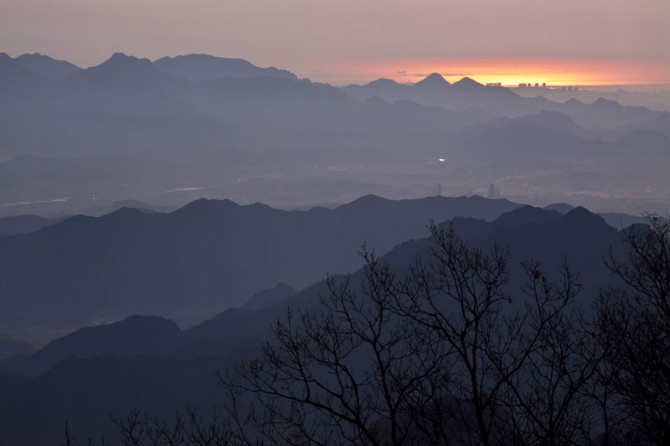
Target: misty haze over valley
(197, 250)
(176, 129)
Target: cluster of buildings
(569, 88)
(538, 85)
(530, 85)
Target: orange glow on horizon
(511, 72)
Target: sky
(564, 42)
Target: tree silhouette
(446, 352)
(354, 372)
(435, 356)
(635, 327)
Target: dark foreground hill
(200, 259)
(83, 388)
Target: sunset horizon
(508, 72)
(600, 43)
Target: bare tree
(548, 399)
(459, 297)
(635, 325)
(137, 428)
(517, 373)
(439, 356)
(448, 354)
(68, 438)
(352, 373)
(647, 269)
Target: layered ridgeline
(467, 93)
(148, 363)
(177, 127)
(199, 259)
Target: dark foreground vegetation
(445, 354)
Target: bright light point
(441, 160)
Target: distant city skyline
(600, 42)
(508, 72)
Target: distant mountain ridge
(578, 236)
(16, 77)
(434, 80)
(273, 134)
(46, 66)
(122, 74)
(466, 93)
(203, 67)
(432, 90)
(549, 236)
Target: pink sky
(344, 40)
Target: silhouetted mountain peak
(383, 82)
(12, 71)
(134, 204)
(259, 206)
(433, 80)
(527, 215)
(204, 205)
(202, 58)
(7, 61)
(367, 200)
(584, 218)
(467, 83)
(204, 67)
(46, 66)
(120, 61)
(124, 212)
(124, 70)
(572, 102)
(606, 104)
(563, 208)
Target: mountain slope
(85, 391)
(22, 224)
(46, 66)
(133, 337)
(203, 67)
(579, 237)
(200, 259)
(18, 82)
